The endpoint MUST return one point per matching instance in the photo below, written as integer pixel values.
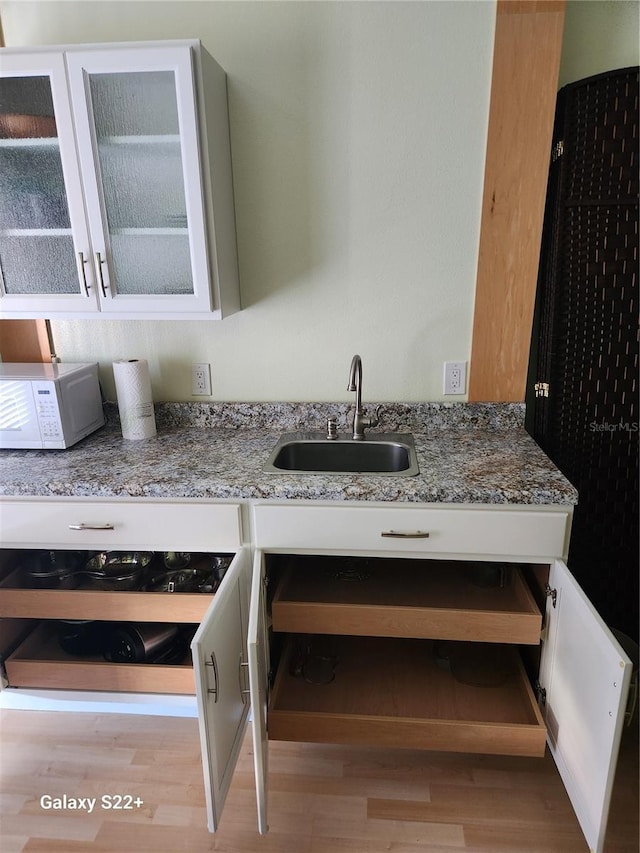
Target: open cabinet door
(586, 676)
(219, 659)
(258, 682)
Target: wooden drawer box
(392, 693)
(129, 606)
(400, 598)
(93, 604)
(485, 532)
(39, 662)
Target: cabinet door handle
(99, 261)
(243, 691)
(82, 526)
(214, 665)
(83, 272)
(404, 534)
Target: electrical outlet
(201, 380)
(455, 377)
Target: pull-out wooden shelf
(392, 692)
(94, 604)
(40, 662)
(393, 598)
(17, 602)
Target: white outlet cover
(455, 377)
(200, 380)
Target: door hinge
(541, 693)
(541, 389)
(557, 151)
(552, 594)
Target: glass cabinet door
(44, 246)
(137, 133)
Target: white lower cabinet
(212, 675)
(230, 658)
(221, 668)
(399, 648)
(410, 627)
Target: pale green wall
(358, 135)
(358, 138)
(600, 35)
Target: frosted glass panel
(141, 165)
(36, 247)
(38, 264)
(135, 103)
(152, 264)
(32, 187)
(143, 185)
(26, 107)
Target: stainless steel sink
(383, 454)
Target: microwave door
(81, 406)
(19, 426)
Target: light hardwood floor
(323, 799)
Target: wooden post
(526, 62)
(24, 340)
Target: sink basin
(386, 454)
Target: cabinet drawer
(393, 693)
(141, 525)
(39, 662)
(405, 598)
(501, 533)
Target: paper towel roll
(133, 391)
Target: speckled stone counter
(467, 453)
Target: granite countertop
(467, 453)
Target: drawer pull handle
(408, 534)
(83, 526)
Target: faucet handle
(375, 420)
(332, 429)
(372, 421)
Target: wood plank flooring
(322, 799)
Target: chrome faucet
(360, 420)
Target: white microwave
(48, 405)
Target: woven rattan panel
(588, 335)
(601, 135)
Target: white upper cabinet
(45, 249)
(115, 171)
